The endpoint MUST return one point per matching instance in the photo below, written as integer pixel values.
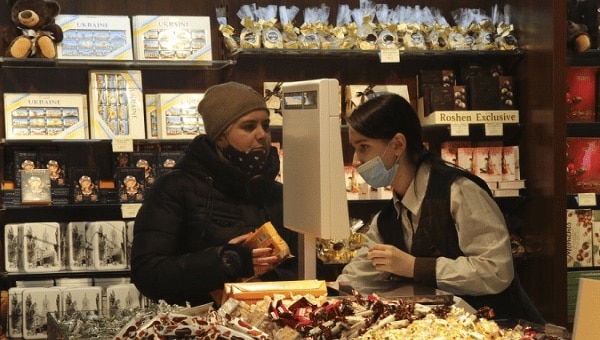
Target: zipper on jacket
(209, 200)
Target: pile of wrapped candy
(299, 317)
(370, 26)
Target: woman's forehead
(256, 115)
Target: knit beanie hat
(224, 103)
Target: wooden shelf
(115, 64)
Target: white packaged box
(15, 312)
(35, 187)
(45, 116)
(40, 247)
(129, 241)
(465, 158)
(510, 163)
(579, 238)
(82, 299)
(74, 282)
(178, 116)
(13, 247)
(174, 38)
(95, 37)
(116, 105)
(358, 94)
(34, 283)
(37, 303)
(105, 282)
(151, 116)
(108, 244)
(489, 162)
(80, 248)
(122, 297)
(272, 95)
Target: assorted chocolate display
(369, 27)
(303, 317)
(53, 176)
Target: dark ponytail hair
(384, 116)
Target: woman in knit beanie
(189, 232)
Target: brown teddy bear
(35, 33)
(581, 16)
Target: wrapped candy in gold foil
(309, 38)
(457, 40)
(438, 38)
(289, 31)
(271, 36)
(401, 35)
(414, 38)
(250, 37)
(314, 19)
(485, 36)
(267, 20)
(338, 37)
(227, 31)
(342, 251)
(366, 35)
(386, 31)
(505, 40)
(388, 37)
(332, 38)
(290, 36)
(352, 35)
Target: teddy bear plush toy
(581, 15)
(35, 33)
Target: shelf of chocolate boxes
(369, 27)
(42, 178)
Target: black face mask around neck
(251, 163)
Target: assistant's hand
(263, 259)
(387, 258)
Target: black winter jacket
(180, 248)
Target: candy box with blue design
(174, 38)
(178, 116)
(151, 116)
(116, 105)
(95, 37)
(45, 116)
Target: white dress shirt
(487, 264)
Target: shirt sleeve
(360, 272)
(486, 267)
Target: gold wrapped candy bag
(267, 237)
(252, 292)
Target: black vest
(437, 236)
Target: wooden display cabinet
(538, 68)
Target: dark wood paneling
(541, 85)
(540, 77)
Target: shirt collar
(414, 195)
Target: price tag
(459, 129)
(130, 210)
(587, 199)
(494, 129)
(389, 55)
(122, 145)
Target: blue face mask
(375, 173)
